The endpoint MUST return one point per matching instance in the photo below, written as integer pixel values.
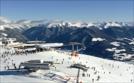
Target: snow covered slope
(100, 70)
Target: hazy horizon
(75, 10)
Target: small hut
(36, 64)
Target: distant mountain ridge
(6, 23)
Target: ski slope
(100, 70)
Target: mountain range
(112, 40)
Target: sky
(73, 10)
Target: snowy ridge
(112, 24)
(5, 23)
(55, 23)
(4, 20)
(21, 24)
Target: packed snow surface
(100, 70)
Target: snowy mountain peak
(75, 24)
(55, 23)
(21, 24)
(113, 24)
(30, 21)
(24, 21)
(4, 20)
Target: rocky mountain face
(112, 40)
(97, 42)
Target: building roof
(79, 66)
